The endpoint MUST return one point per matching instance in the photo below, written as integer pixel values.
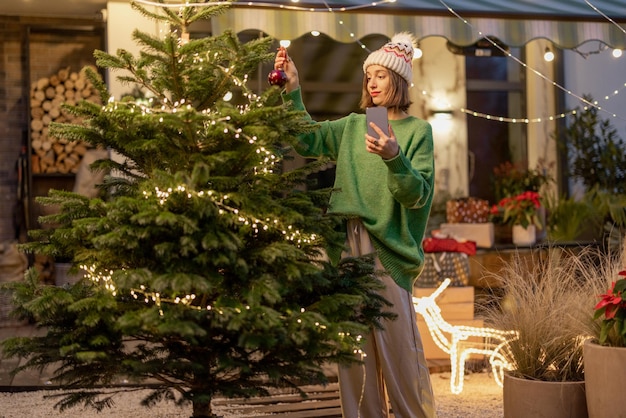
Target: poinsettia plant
(612, 306)
(520, 209)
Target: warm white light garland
(605, 16)
(104, 278)
(146, 107)
(523, 64)
(179, 4)
(288, 231)
(517, 120)
(498, 118)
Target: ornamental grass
(548, 297)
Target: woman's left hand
(385, 146)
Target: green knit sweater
(391, 197)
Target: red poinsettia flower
(521, 209)
(610, 302)
(612, 306)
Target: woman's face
(378, 84)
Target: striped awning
(567, 24)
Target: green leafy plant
(595, 151)
(590, 216)
(596, 159)
(569, 218)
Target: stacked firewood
(49, 154)
(45, 268)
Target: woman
(384, 185)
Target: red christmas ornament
(277, 78)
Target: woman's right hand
(282, 61)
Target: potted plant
(596, 161)
(544, 301)
(512, 180)
(595, 215)
(605, 353)
(521, 212)
(570, 218)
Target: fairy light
(518, 120)
(326, 8)
(268, 160)
(289, 232)
(524, 120)
(541, 119)
(301, 317)
(523, 64)
(605, 16)
(458, 345)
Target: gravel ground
(481, 397)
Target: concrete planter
(525, 398)
(605, 380)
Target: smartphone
(378, 115)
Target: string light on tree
(300, 316)
(210, 268)
(289, 232)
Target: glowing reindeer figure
(455, 340)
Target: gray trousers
(394, 367)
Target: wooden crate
(432, 351)
(456, 303)
(457, 308)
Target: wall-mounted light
(617, 53)
(548, 55)
(285, 43)
(315, 33)
(417, 52)
(442, 114)
(441, 122)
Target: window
(494, 87)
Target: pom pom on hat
(395, 55)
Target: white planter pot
(524, 236)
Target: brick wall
(32, 48)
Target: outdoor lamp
(548, 55)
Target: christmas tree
(204, 260)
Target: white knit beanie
(396, 55)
